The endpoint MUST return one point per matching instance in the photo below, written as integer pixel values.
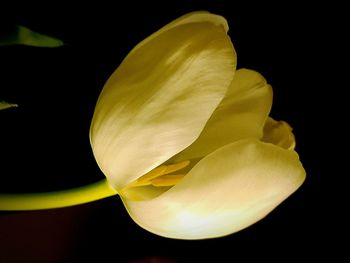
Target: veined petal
(279, 133)
(193, 17)
(159, 99)
(228, 190)
(241, 114)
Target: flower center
(155, 182)
(162, 175)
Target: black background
(45, 144)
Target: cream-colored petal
(158, 100)
(228, 190)
(279, 133)
(193, 17)
(241, 114)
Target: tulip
(186, 140)
(180, 135)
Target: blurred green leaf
(5, 105)
(21, 35)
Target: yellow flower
(186, 140)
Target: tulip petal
(279, 133)
(241, 114)
(226, 191)
(193, 17)
(158, 101)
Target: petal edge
(227, 191)
(159, 99)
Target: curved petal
(279, 133)
(241, 114)
(159, 99)
(228, 190)
(193, 17)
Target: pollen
(167, 180)
(162, 175)
(176, 166)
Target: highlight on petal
(158, 100)
(22, 35)
(279, 133)
(241, 114)
(226, 191)
(193, 17)
(6, 105)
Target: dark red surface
(41, 236)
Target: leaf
(6, 105)
(22, 35)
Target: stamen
(139, 183)
(146, 178)
(176, 166)
(153, 174)
(167, 180)
(160, 175)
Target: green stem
(75, 196)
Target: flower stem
(75, 196)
